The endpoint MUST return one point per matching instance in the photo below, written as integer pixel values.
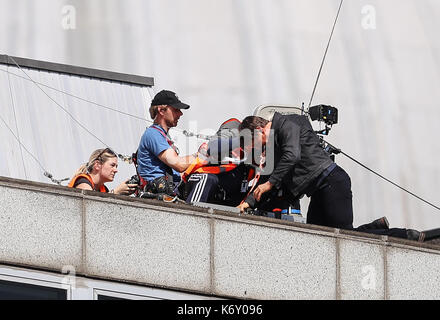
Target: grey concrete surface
(147, 245)
(261, 262)
(413, 274)
(41, 229)
(361, 270)
(180, 247)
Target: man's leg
(315, 214)
(409, 234)
(203, 185)
(332, 205)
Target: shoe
(432, 234)
(415, 235)
(381, 223)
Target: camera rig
(328, 115)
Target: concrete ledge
(182, 247)
(260, 262)
(147, 246)
(39, 228)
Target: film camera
(328, 115)
(135, 180)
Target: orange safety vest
(89, 178)
(199, 166)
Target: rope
(125, 158)
(184, 132)
(336, 151)
(45, 172)
(59, 105)
(325, 54)
(16, 123)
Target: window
(10, 290)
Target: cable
(80, 98)
(16, 124)
(59, 105)
(184, 132)
(325, 54)
(45, 172)
(124, 158)
(336, 151)
(120, 156)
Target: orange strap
(89, 178)
(216, 169)
(200, 166)
(197, 163)
(230, 120)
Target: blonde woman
(101, 168)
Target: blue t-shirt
(152, 143)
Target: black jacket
(298, 158)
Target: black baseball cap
(168, 98)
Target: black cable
(45, 172)
(21, 144)
(185, 132)
(80, 98)
(59, 105)
(325, 54)
(336, 151)
(16, 124)
(124, 158)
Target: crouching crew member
(301, 166)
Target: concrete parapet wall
(185, 248)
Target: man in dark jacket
(297, 164)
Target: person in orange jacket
(100, 169)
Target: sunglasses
(106, 150)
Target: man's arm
(290, 149)
(171, 159)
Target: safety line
(45, 172)
(381, 176)
(16, 123)
(59, 105)
(183, 131)
(325, 55)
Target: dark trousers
(224, 189)
(331, 205)
(202, 186)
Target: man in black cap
(158, 160)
